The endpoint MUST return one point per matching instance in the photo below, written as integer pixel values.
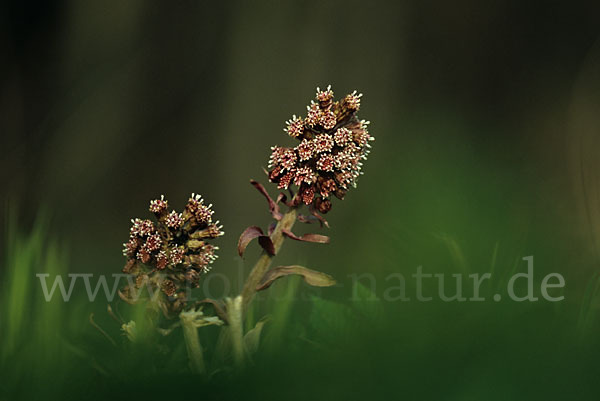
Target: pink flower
(342, 136)
(283, 157)
(197, 208)
(162, 260)
(305, 149)
(352, 101)
(295, 127)
(308, 195)
(153, 243)
(314, 114)
(304, 174)
(323, 96)
(130, 247)
(143, 255)
(328, 119)
(327, 187)
(326, 163)
(174, 220)
(158, 206)
(323, 143)
(146, 227)
(177, 255)
(286, 180)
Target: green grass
(315, 341)
(30, 328)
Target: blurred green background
(487, 134)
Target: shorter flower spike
(175, 245)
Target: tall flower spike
(175, 246)
(327, 161)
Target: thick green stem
(192, 343)
(264, 262)
(234, 312)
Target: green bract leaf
(321, 239)
(311, 277)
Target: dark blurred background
(487, 125)
(484, 115)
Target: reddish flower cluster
(174, 248)
(328, 159)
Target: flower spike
(175, 245)
(327, 161)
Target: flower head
(295, 127)
(284, 157)
(326, 95)
(352, 101)
(153, 243)
(174, 220)
(306, 149)
(175, 245)
(328, 159)
(158, 206)
(323, 143)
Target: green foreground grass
(316, 343)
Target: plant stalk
(192, 344)
(264, 262)
(234, 312)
